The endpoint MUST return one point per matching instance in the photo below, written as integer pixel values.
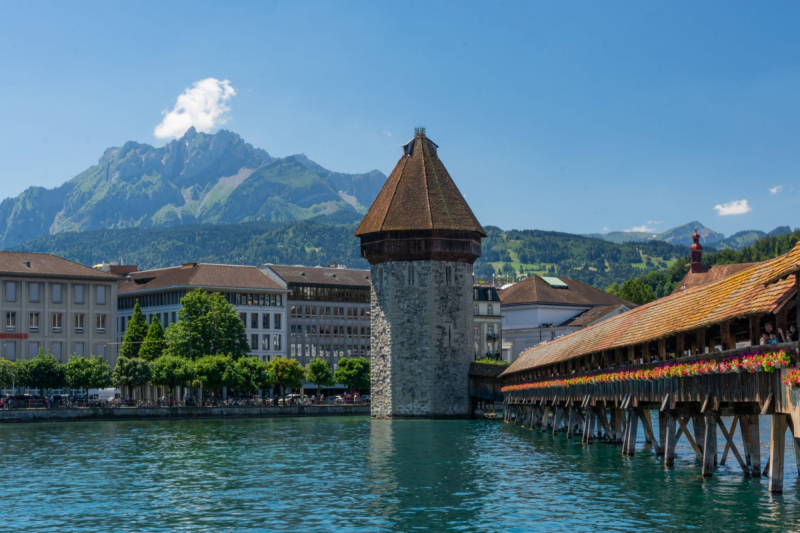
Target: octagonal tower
(421, 239)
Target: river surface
(354, 474)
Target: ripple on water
(360, 475)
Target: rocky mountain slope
(199, 178)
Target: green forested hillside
(659, 284)
(507, 254)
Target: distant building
(700, 275)
(540, 309)
(328, 312)
(259, 298)
(56, 304)
(488, 322)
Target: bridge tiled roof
(762, 288)
(419, 195)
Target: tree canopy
(134, 334)
(43, 372)
(213, 372)
(131, 372)
(319, 372)
(633, 290)
(286, 373)
(249, 374)
(87, 373)
(154, 343)
(8, 373)
(170, 371)
(354, 373)
(207, 324)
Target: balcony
(492, 337)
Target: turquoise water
(353, 474)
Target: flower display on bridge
(749, 362)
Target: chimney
(697, 253)
(188, 265)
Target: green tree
(207, 325)
(87, 373)
(319, 373)
(132, 372)
(43, 372)
(633, 290)
(170, 371)
(8, 373)
(134, 335)
(285, 372)
(248, 374)
(154, 343)
(354, 373)
(213, 372)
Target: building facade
(541, 309)
(488, 322)
(259, 299)
(57, 305)
(328, 312)
(421, 239)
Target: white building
(260, 299)
(488, 322)
(540, 309)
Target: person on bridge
(773, 336)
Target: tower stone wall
(422, 339)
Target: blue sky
(570, 116)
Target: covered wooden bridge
(689, 359)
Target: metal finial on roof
(419, 130)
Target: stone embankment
(178, 413)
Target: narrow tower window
(448, 275)
(410, 275)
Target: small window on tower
(411, 275)
(448, 275)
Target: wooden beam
(701, 340)
(777, 451)
(631, 354)
(662, 349)
(754, 442)
(755, 330)
(632, 426)
(672, 440)
(648, 429)
(689, 437)
(710, 445)
(729, 443)
(680, 345)
(571, 423)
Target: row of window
(254, 298)
(57, 290)
(489, 330)
(341, 313)
(56, 322)
(164, 318)
(265, 320)
(489, 310)
(330, 294)
(265, 341)
(336, 332)
(328, 350)
(151, 300)
(57, 348)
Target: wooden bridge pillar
(571, 423)
(670, 440)
(616, 424)
(631, 428)
(545, 416)
(777, 451)
(710, 445)
(754, 446)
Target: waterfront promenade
(178, 413)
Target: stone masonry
(422, 339)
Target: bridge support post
(777, 451)
(754, 444)
(710, 445)
(556, 418)
(670, 439)
(662, 431)
(571, 423)
(545, 416)
(616, 423)
(632, 426)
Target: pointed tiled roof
(419, 195)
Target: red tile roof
(536, 290)
(419, 195)
(713, 274)
(595, 314)
(762, 288)
(33, 264)
(322, 276)
(199, 275)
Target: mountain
(199, 178)
(680, 235)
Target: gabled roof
(762, 288)
(593, 315)
(199, 275)
(715, 273)
(320, 276)
(536, 290)
(419, 195)
(33, 264)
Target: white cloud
(606, 229)
(387, 133)
(644, 228)
(655, 222)
(203, 105)
(737, 207)
(776, 189)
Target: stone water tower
(421, 238)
